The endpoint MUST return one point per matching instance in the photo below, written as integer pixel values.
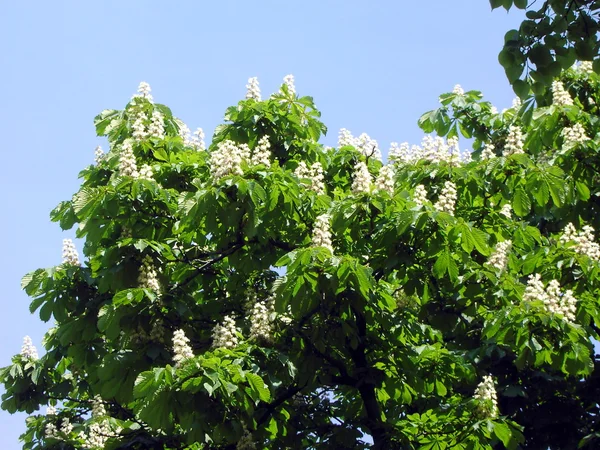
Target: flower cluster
(516, 103)
(487, 399)
(157, 125)
(262, 153)
(506, 210)
(144, 92)
(514, 141)
(253, 91)
(363, 180)
(322, 232)
(146, 172)
(363, 143)
(288, 80)
(139, 127)
(488, 152)
(69, 253)
(148, 277)
(50, 431)
(585, 67)
(98, 155)
(98, 409)
(499, 258)
(65, 426)
(420, 195)
(314, 174)
(555, 301)
(458, 90)
(583, 240)
(574, 135)
(127, 163)
(225, 334)
(432, 149)
(385, 179)
(260, 321)
(560, 96)
(447, 199)
(28, 350)
(195, 141)
(227, 159)
(98, 434)
(181, 349)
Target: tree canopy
(553, 36)
(265, 291)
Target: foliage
(415, 330)
(553, 36)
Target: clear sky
(372, 67)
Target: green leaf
(521, 202)
(258, 386)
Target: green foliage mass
(554, 34)
(390, 335)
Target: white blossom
(458, 90)
(146, 172)
(486, 397)
(28, 350)
(50, 410)
(385, 179)
(50, 431)
(367, 146)
(506, 210)
(65, 426)
(144, 92)
(516, 103)
(322, 232)
(363, 180)
(69, 253)
(584, 241)
(585, 67)
(499, 258)
(574, 135)
(198, 140)
(127, 162)
(488, 152)
(98, 409)
(181, 348)
(433, 149)
(514, 141)
(98, 434)
(345, 138)
(148, 277)
(363, 143)
(139, 127)
(225, 334)
(494, 110)
(554, 300)
(262, 153)
(227, 159)
(314, 174)
(560, 96)
(157, 125)
(447, 199)
(253, 90)
(260, 321)
(98, 155)
(420, 195)
(288, 80)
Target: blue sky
(372, 67)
